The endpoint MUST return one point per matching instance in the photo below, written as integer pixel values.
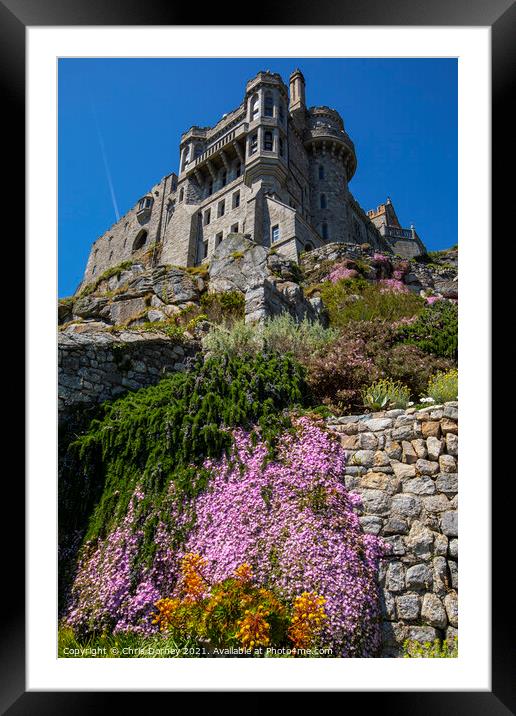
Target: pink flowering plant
(290, 518)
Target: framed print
(243, 436)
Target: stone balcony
(219, 151)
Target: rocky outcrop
(404, 464)
(436, 274)
(266, 280)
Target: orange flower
(244, 573)
(167, 609)
(253, 629)
(307, 619)
(194, 585)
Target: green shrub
(358, 300)
(384, 394)
(435, 330)
(444, 387)
(226, 307)
(284, 334)
(241, 339)
(281, 334)
(436, 649)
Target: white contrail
(106, 165)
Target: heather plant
(359, 300)
(384, 394)
(364, 352)
(435, 330)
(444, 386)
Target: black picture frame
(500, 16)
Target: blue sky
(120, 122)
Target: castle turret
(297, 92)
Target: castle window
(308, 246)
(323, 201)
(321, 171)
(218, 238)
(224, 178)
(268, 110)
(204, 249)
(234, 229)
(181, 194)
(275, 233)
(325, 231)
(210, 188)
(93, 269)
(207, 216)
(140, 240)
(255, 107)
(281, 113)
(144, 203)
(236, 200)
(238, 170)
(281, 147)
(267, 141)
(253, 144)
(221, 208)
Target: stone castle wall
(404, 464)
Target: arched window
(325, 231)
(267, 141)
(140, 240)
(253, 143)
(323, 201)
(181, 195)
(308, 246)
(268, 105)
(321, 171)
(255, 107)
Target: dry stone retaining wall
(93, 367)
(404, 464)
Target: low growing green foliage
(444, 387)
(162, 434)
(385, 394)
(108, 273)
(224, 307)
(125, 645)
(436, 649)
(359, 300)
(242, 339)
(435, 330)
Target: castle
(273, 169)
